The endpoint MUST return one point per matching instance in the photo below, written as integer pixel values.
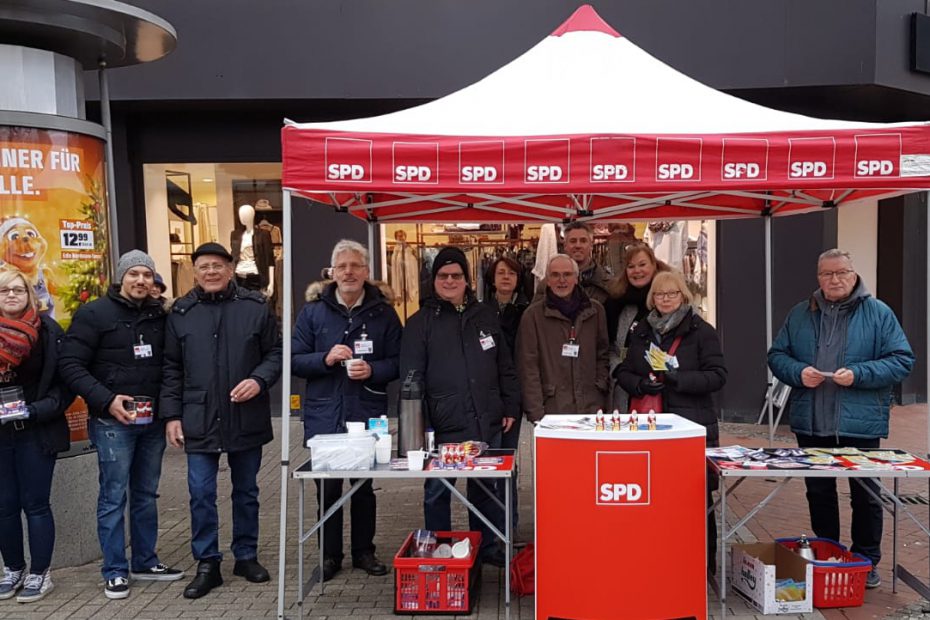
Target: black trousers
(252, 281)
(362, 514)
(866, 531)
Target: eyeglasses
(667, 295)
(343, 268)
(16, 290)
(455, 277)
(561, 275)
(828, 275)
(207, 267)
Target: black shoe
(330, 568)
(251, 570)
(494, 556)
(208, 577)
(370, 564)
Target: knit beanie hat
(133, 258)
(449, 256)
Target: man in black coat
(222, 355)
(111, 355)
(456, 346)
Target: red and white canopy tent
(587, 126)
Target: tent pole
(927, 351)
(372, 254)
(768, 322)
(287, 309)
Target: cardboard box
(755, 569)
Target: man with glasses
(346, 345)
(222, 356)
(112, 355)
(455, 345)
(562, 347)
(842, 351)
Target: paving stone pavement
(353, 594)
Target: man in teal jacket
(841, 352)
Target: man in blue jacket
(349, 320)
(841, 352)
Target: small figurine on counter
(651, 420)
(634, 421)
(615, 420)
(599, 420)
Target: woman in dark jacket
(687, 390)
(28, 361)
(627, 307)
(509, 303)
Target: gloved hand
(650, 387)
(671, 378)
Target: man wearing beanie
(222, 356)
(456, 347)
(112, 355)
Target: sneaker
(36, 587)
(873, 579)
(159, 572)
(11, 582)
(117, 588)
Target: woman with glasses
(28, 444)
(686, 382)
(626, 307)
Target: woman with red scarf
(28, 445)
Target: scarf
(663, 324)
(569, 306)
(17, 337)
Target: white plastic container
(342, 452)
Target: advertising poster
(53, 226)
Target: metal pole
(112, 224)
(927, 350)
(285, 396)
(768, 322)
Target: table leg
(322, 536)
(722, 544)
(894, 541)
(300, 551)
(508, 543)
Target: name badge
(487, 342)
(570, 350)
(364, 347)
(142, 351)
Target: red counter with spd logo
(620, 519)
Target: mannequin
(252, 251)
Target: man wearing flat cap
(456, 347)
(111, 355)
(222, 356)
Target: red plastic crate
(436, 585)
(835, 585)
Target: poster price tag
(77, 239)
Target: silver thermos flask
(410, 422)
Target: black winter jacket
(509, 317)
(469, 389)
(212, 343)
(97, 357)
(331, 397)
(48, 399)
(701, 370)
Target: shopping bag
(646, 403)
(523, 571)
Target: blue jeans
(437, 508)
(26, 486)
(129, 457)
(205, 522)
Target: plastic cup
(351, 364)
(461, 549)
(144, 406)
(415, 459)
